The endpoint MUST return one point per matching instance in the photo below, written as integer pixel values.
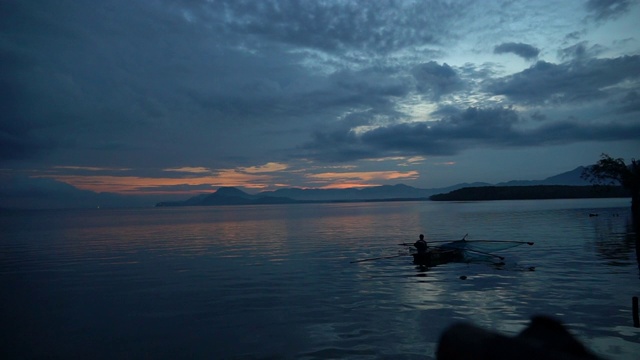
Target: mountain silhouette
(229, 196)
(235, 196)
(572, 178)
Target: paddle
(378, 258)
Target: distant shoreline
(290, 202)
(534, 192)
(480, 193)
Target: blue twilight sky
(173, 98)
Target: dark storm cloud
(526, 51)
(336, 146)
(66, 76)
(151, 76)
(436, 80)
(226, 84)
(571, 131)
(630, 102)
(570, 82)
(17, 139)
(581, 50)
(471, 128)
(379, 27)
(448, 135)
(538, 116)
(374, 88)
(607, 9)
(88, 76)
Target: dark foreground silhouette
(544, 338)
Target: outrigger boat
(463, 251)
(438, 256)
(455, 251)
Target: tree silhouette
(610, 171)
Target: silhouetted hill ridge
(375, 192)
(228, 196)
(235, 196)
(532, 192)
(572, 177)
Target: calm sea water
(271, 282)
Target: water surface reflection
(276, 281)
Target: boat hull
(438, 256)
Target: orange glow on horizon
(366, 175)
(346, 186)
(146, 185)
(195, 180)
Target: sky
(168, 99)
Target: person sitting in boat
(421, 245)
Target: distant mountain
(572, 178)
(228, 196)
(402, 191)
(234, 196)
(458, 186)
(22, 192)
(383, 192)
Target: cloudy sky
(173, 98)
